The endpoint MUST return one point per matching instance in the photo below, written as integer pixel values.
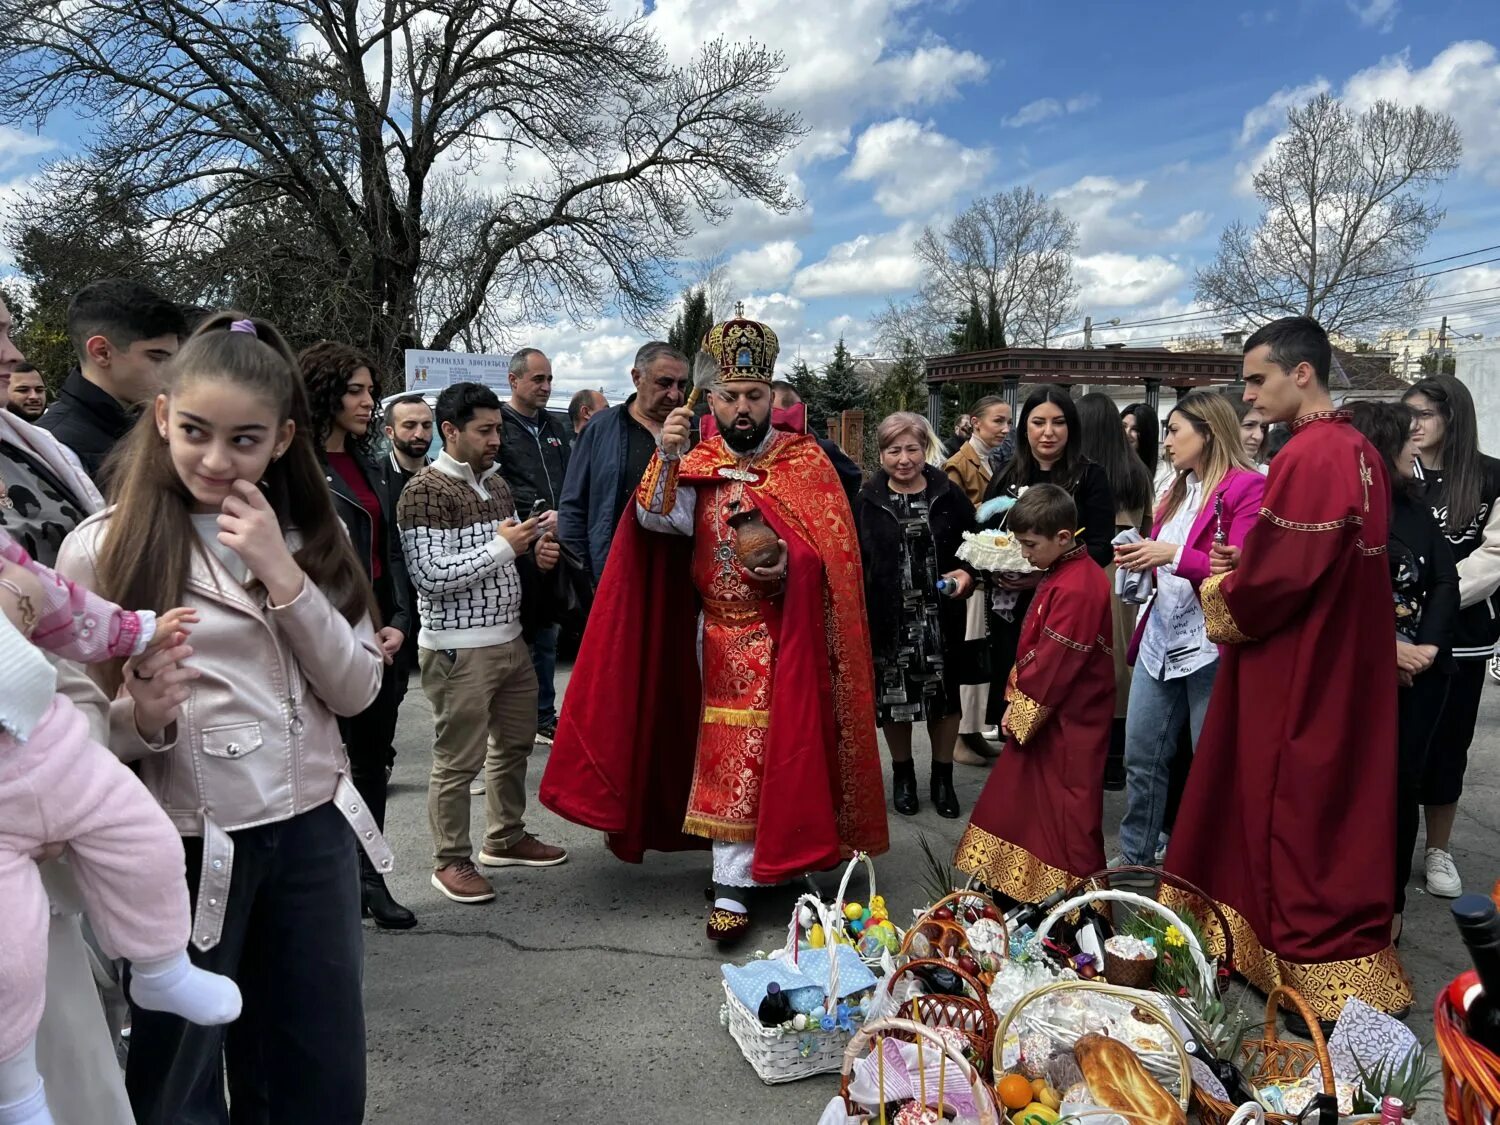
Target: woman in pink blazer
(1216, 491)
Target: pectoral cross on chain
(724, 554)
(1366, 478)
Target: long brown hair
(1212, 416)
(147, 550)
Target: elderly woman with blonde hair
(911, 519)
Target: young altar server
(1036, 828)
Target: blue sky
(1140, 119)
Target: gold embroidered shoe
(725, 926)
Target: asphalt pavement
(586, 993)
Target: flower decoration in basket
(997, 551)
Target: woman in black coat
(911, 519)
(342, 390)
(1424, 583)
(1048, 451)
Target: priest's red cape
(623, 759)
(1288, 820)
(1036, 827)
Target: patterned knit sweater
(468, 588)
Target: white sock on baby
(30, 1110)
(176, 985)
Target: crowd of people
(266, 576)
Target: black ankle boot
(944, 799)
(378, 904)
(904, 783)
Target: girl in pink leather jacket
(58, 786)
(221, 506)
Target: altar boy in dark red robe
(1036, 827)
(1288, 820)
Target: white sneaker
(1442, 874)
(476, 787)
(993, 733)
(1495, 667)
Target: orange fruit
(1014, 1091)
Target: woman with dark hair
(1140, 427)
(1106, 444)
(1463, 491)
(1424, 582)
(911, 519)
(1048, 438)
(342, 391)
(1253, 432)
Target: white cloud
(768, 267)
(1108, 217)
(1271, 114)
(1379, 14)
(870, 265)
(1111, 280)
(1044, 109)
(18, 147)
(914, 167)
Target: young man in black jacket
(534, 460)
(122, 332)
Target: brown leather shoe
(462, 883)
(528, 851)
(725, 926)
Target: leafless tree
(1011, 252)
(344, 116)
(1344, 217)
(912, 326)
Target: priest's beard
(745, 441)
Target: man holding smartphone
(470, 559)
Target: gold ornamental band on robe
(1220, 622)
(1026, 714)
(1378, 979)
(1008, 868)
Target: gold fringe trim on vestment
(1008, 867)
(1378, 978)
(736, 717)
(1221, 627)
(714, 828)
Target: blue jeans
(1154, 719)
(543, 648)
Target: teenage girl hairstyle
(1147, 434)
(1102, 440)
(901, 423)
(1212, 416)
(1463, 468)
(148, 546)
(1022, 469)
(326, 369)
(1388, 426)
(1045, 510)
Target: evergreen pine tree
(692, 323)
(842, 389)
(994, 328)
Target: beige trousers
(484, 712)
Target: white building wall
(1479, 370)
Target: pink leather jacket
(258, 739)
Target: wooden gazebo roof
(1100, 366)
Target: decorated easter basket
(969, 1014)
(1206, 971)
(928, 1090)
(876, 956)
(953, 931)
(1471, 1072)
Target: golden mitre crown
(744, 349)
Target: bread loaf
(1118, 1081)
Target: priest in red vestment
(1036, 827)
(765, 751)
(1289, 815)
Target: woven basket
(1471, 1073)
(1091, 896)
(874, 961)
(971, 1015)
(910, 1031)
(1270, 1059)
(1185, 1082)
(954, 929)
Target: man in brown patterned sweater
(466, 551)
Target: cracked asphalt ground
(587, 993)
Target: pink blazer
(1242, 490)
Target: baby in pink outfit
(59, 786)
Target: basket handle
(1151, 1011)
(1314, 1029)
(1167, 878)
(963, 895)
(1064, 908)
(793, 933)
(875, 1030)
(854, 861)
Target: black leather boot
(904, 784)
(377, 903)
(944, 799)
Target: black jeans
(293, 943)
(370, 739)
(1417, 711)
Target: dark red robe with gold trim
(775, 742)
(1288, 820)
(1036, 827)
